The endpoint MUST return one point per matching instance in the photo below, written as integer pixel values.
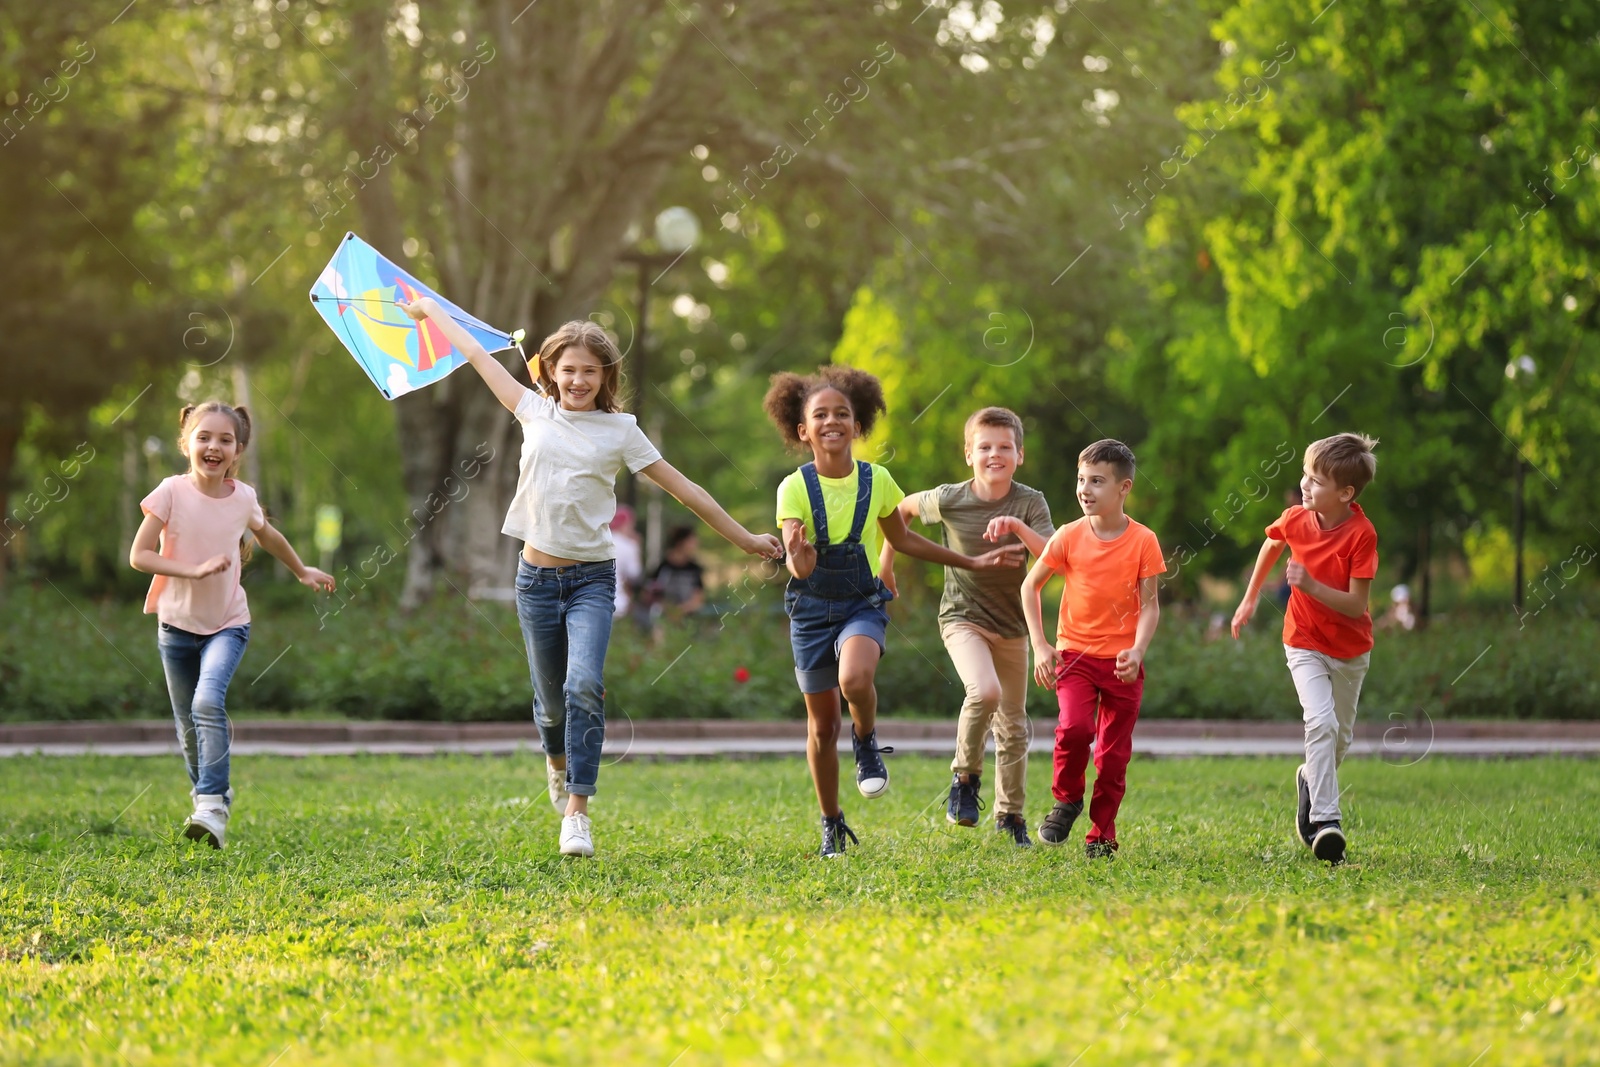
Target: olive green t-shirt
(991, 599)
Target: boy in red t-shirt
(1327, 632)
(1109, 614)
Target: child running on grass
(980, 614)
(1109, 614)
(192, 540)
(836, 512)
(1327, 631)
(575, 439)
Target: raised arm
(1266, 559)
(896, 533)
(697, 500)
(908, 509)
(506, 388)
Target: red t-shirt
(1333, 557)
(1100, 607)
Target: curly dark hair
(785, 402)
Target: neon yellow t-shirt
(839, 497)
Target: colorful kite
(356, 296)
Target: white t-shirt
(567, 484)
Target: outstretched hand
(767, 546)
(1009, 556)
(319, 580)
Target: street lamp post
(676, 231)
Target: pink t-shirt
(197, 528)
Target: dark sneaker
(1057, 826)
(1327, 844)
(1100, 850)
(965, 801)
(872, 777)
(834, 831)
(1017, 827)
(1302, 811)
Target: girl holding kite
(575, 438)
(192, 540)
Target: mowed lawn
(416, 911)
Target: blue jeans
(566, 613)
(199, 668)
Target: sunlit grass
(416, 911)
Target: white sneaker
(209, 823)
(556, 778)
(576, 839)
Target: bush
(458, 661)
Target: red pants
(1085, 685)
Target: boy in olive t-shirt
(980, 613)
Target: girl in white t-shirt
(575, 439)
(191, 540)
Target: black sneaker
(1017, 827)
(872, 777)
(1302, 812)
(965, 801)
(1057, 826)
(834, 831)
(1327, 844)
(1100, 850)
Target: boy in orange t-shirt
(1109, 614)
(1327, 632)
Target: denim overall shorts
(841, 598)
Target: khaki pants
(994, 671)
(1329, 690)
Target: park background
(1216, 231)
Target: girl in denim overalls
(836, 513)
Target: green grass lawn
(416, 911)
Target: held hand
(321, 581)
(1045, 659)
(1009, 556)
(1242, 616)
(214, 565)
(767, 546)
(1129, 660)
(1001, 526)
(420, 308)
(1297, 576)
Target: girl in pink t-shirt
(193, 531)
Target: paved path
(1395, 742)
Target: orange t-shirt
(1333, 557)
(1100, 608)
